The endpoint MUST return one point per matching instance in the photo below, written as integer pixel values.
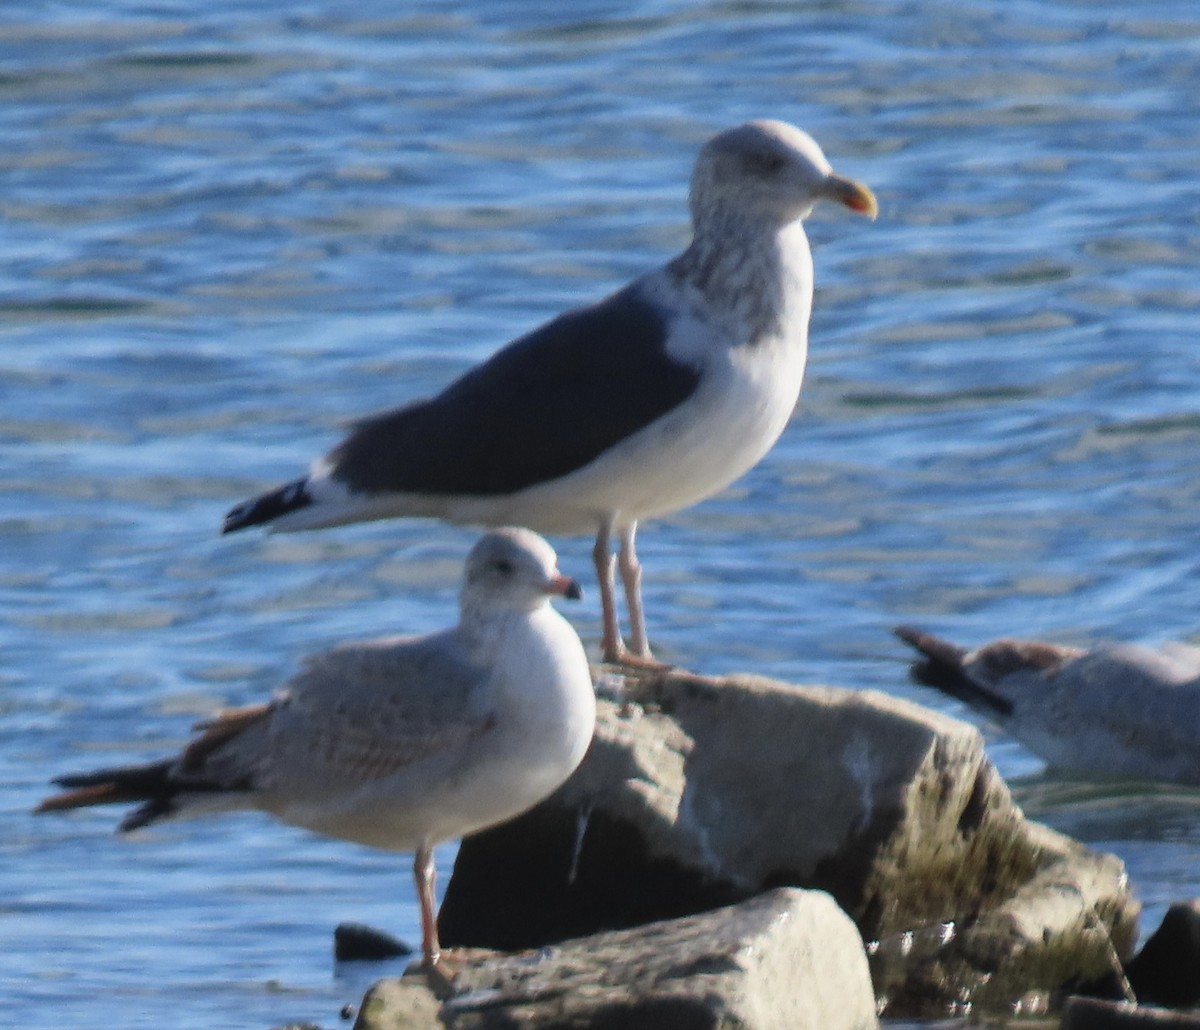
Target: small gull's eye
(765, 163)
(503, 566)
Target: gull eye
(503, 566)
(765, 163)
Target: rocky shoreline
(727, 847)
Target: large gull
(652, 399)
(398, 743)
(1118, 710)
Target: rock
(1167, 969)
(357, 942)
(711, 790)
(1095, 1014)
(399, 1003)
(785, 960)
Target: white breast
(541, 708)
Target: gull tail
(943, 667)
(150, 784)
(268, 507)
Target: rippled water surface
(229, 228)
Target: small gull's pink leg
(425, 876)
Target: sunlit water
(229, 228)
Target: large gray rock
(785, 960)
(708, 791)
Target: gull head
(513, 570)
(769, 171)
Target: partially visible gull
(1115, 711)
(398, 743)
(644, 403)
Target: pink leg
(611, 646)
(425, 876)
(631, 576)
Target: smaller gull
(1119, 710)
(399, 743)
(642, 404)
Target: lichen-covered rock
(784, 960)
(399, 1003)
(706, 791)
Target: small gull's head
(515, 570)
(769, 171)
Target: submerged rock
(356, 942)
(785, 960)
(709, 791)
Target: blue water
(227, 229)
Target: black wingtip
(269, 506)
(935, 648)
(150, 784)
(943, 666)
(145, 814)
(941, 663)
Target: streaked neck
(759, 272)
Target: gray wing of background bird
(1146, 690)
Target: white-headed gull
(1120, 710)
(644, 403)
(398, 743)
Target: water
(227, 230)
